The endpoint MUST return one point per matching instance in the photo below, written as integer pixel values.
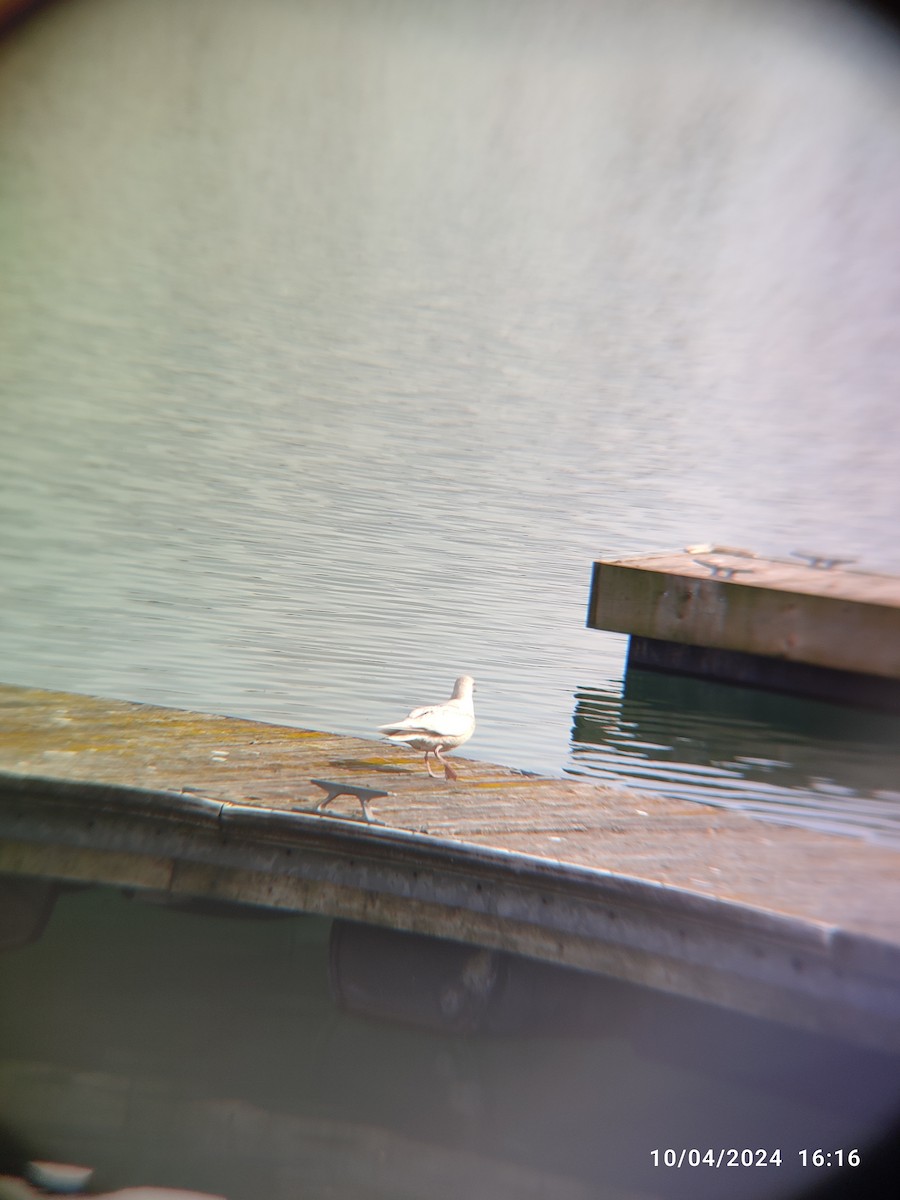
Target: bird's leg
(428, 764)
(449, 773)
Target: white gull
(438, 727)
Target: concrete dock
(807, 625)
(765, 919)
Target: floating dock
(809, 626)
(770, 920)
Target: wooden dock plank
(680, 895)
(735, 616)
(787, 575)
(250, 763)
(600, 827)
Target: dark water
(174, 1049)
(822, 765)
(336, 340)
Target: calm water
(338, 339)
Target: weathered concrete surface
(795, 925)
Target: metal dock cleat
(721, 570)
(822, 562)
(334, 789)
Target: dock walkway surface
(815, 628)
(767, 919)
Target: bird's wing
(445, 720)
(422, 712)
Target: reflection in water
(170, 1048)
(789, 759)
